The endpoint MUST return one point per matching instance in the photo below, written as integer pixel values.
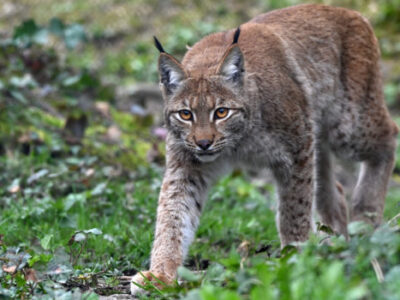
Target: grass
(76, 221)
(97, 228)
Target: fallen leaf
(14, 189)
(45, 242)
(94, 231)
(30, 275)
(99, 189)
(9, 269)
(113, 134)
(74, 129)
(16, 259)
(103, 108)
(36, 176)
(89, 172)
(14, 186)
(79, 237)
(243, 248)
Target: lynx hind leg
(372, 141)
(329, 195)
(364, 130)
(369, 194)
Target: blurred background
(82, 137)
(76, 71)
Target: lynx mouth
(207, 156)
(206, 153)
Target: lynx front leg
(178, 212)
(295, 200)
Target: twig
(378, 270)
(394, 218)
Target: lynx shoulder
(285, 91)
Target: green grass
(101, 227)
(74, 219)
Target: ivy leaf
(74, 35)
(69, 81)
(36, 176)
(358, 228)
(94, 231)
(19, 96)
(25, 81)
(72, 199)
(46, 241)
(79, 237)
(188, 275)
(99, 189)
(25, 31)
(57, 27)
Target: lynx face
(206, 115)
(207, 118)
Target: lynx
(283, 91)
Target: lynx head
(206, 114)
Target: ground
(82, 155)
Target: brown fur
(301, 83)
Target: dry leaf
(89, 172)
(30, 275)
(14, 189)
(243, 248)
(113, 134)
(9, 269)
(103, 108)
(25, 138)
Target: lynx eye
(221, 113)
(185, 115)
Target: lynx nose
(204, 144)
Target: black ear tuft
(158, 45)
(236, 36)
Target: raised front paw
(148, 278)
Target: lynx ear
(171, 71)
(232, 63)
(232, 66)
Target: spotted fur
(300, 83)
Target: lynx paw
(370, 217)
(143, 279)
(335, 215)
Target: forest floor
(81, 164)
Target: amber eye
(221, 113)
(185, 114)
